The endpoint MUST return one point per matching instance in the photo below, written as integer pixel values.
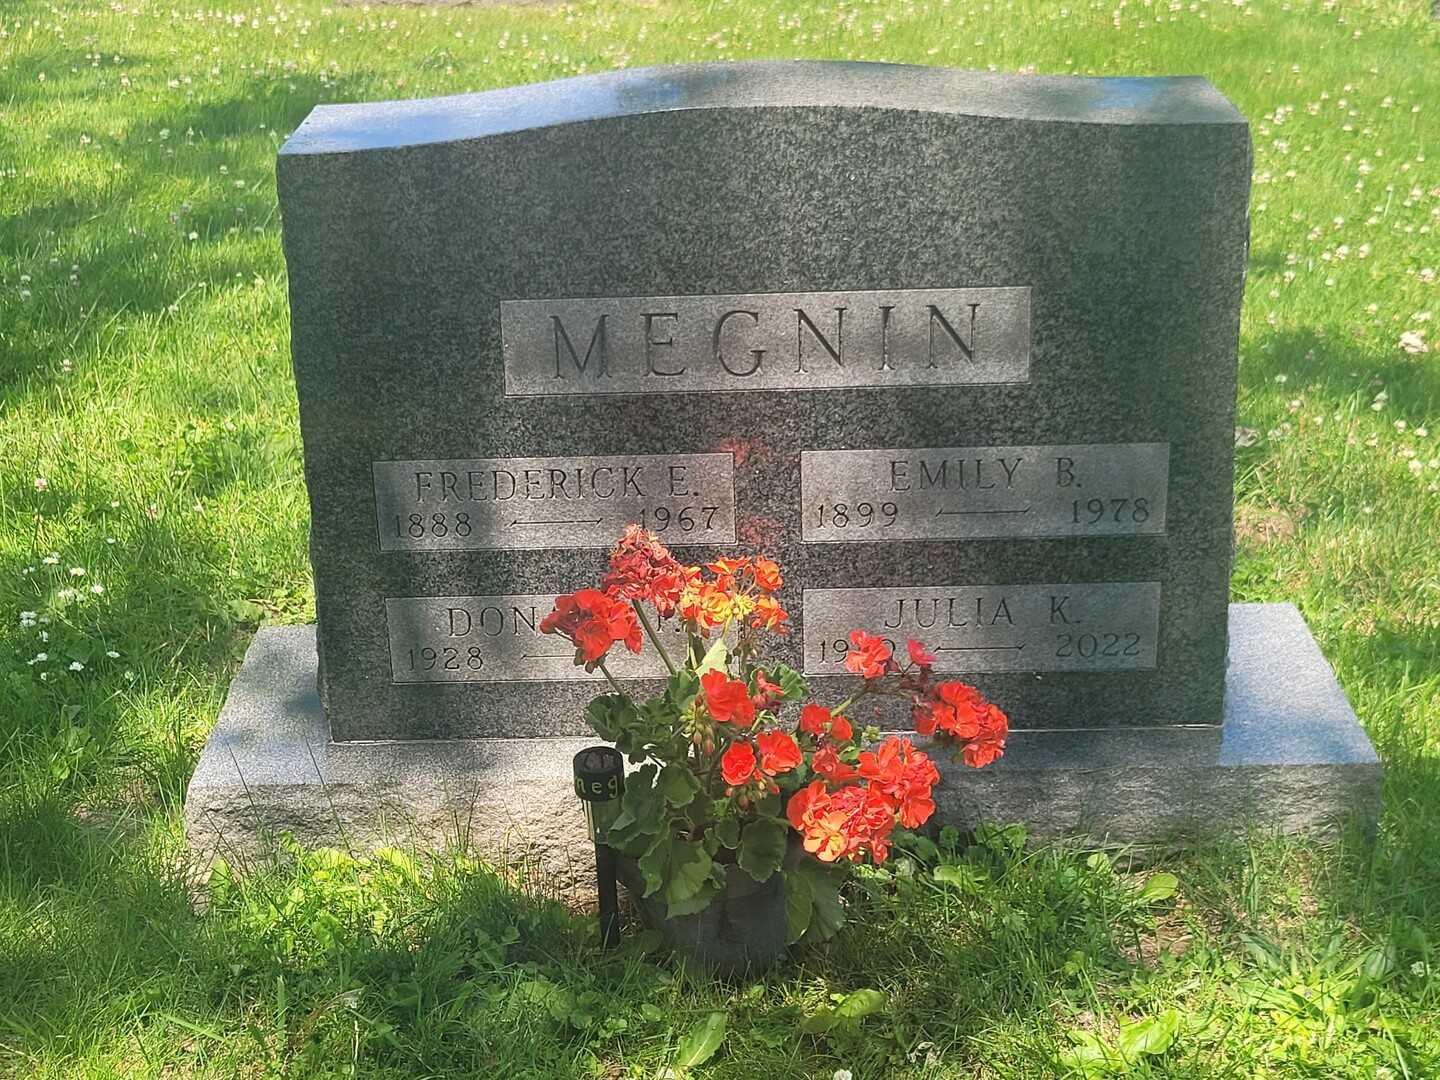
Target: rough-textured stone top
(555, 308)
(752, 84)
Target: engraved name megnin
(766, 341)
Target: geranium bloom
(827, 763)
(990, 743)
(920, 656)
(642, 568)
(845, 823)
(769, 615)
(868, 656)
(727, 699)
(779, 752)
(903, 775)
(593, 622)
(767, 574)
(766, 692)
(737, 764)
(819, 721)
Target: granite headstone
(957, 349)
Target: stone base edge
(1291, 756)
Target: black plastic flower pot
(741, 932)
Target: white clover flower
(97, 588)
(112, 654)
(1413, 342)
(41, 484)
(76, 665)
(44, 676)
(77, 571)
(29, 616)
(50, 560)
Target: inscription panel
(1110, 626)
(560, 502)
(766, 341)
(498, 639)
(957, 493)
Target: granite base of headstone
(1290, 756)
(957, 349)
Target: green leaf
(695, 904)
(728, 832)
(1149, 1037)
(700, 1044)
(827, 914)
(799, 903)
(714, 659)
(1159, 887)
(790, 680)
(611, 716)
(688, 872)
(859, 1004)
(654, 863)
(642, 813)
(1089, 1056)
(762, 847)
(967, 879)
(678, 785)
(820, 1023)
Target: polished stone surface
(1120, 204)
(1291, 755)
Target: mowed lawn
(153, 513)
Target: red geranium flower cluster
(962, 712)
(727, 699)
(642, 568)
(742, 767)
(857, 819)
(593, 621)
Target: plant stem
(654, 637)
(615, 685)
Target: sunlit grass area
(153, 513)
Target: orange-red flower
(727, 699)
(903, 775)
(819, 721)
(767, 574)
(920, 656)
(827, 763)
(868, 656)
(842, 824)
(990, 743)
(767, 693)
(779, 752)
(737, 764)
(769, 615)
(642, 568)
(593, 622)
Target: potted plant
(750, 798)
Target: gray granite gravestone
(958, 350)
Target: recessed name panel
(1109, 626)
(956, 493)
(560, 502)
(766, 341)
(498, 639)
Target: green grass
(144, 376)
